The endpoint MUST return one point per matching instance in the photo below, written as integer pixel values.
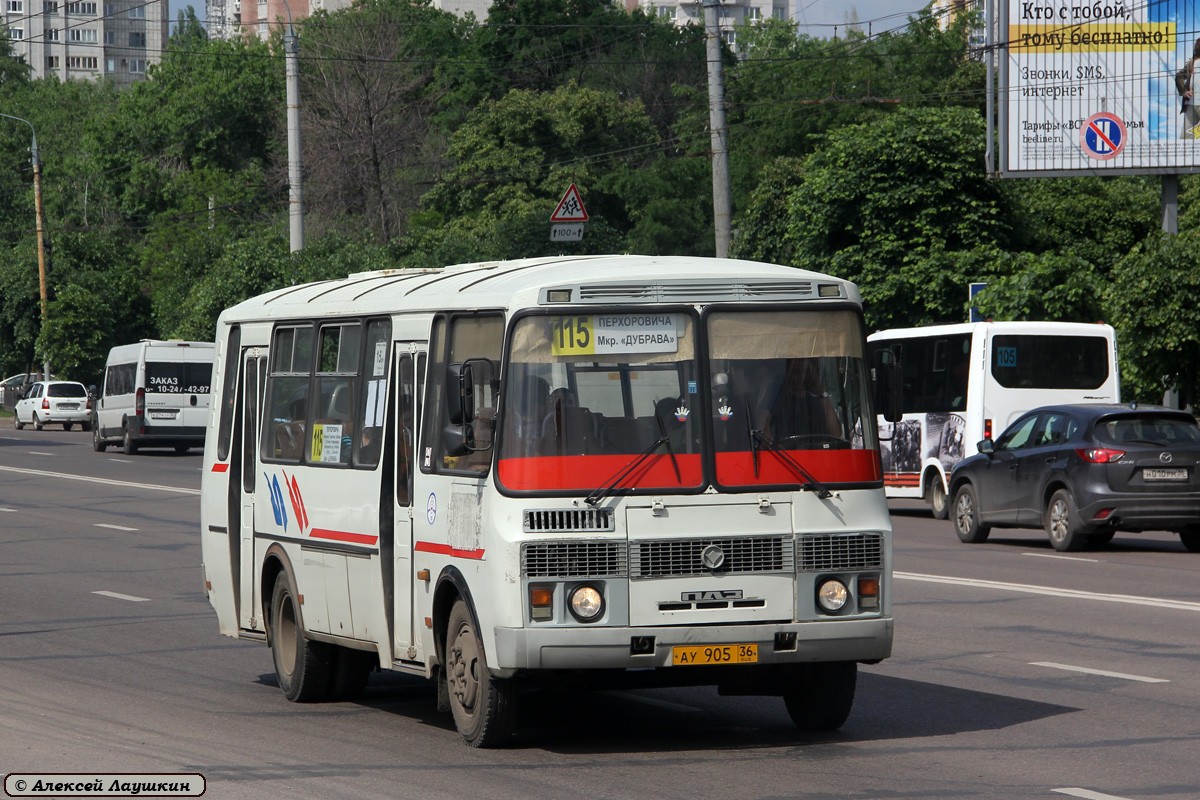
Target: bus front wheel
(301, 665)
(484, 707)
(822, 695)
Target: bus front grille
(573, 560)
(841, 552)
(568, 520)
(662, 558)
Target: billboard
(1092, 88)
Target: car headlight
(586, 603)
(832, 596)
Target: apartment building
(228, 19)
(730, 13)
(88, 40)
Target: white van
(155, 394)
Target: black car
(1084, 472)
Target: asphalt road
(1017, 673)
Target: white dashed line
(1064, 558)
(1104, 672)
(8, 510)
(128, 597)
(1156, 602)
(1088, 794)
(36, 453)
(113, 527)
(107, 481)
(121, 460)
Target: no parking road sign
(1103, 136)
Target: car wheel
(130, 445)
(67, 426)
(1191, 539)
(37, 422)
(966, 516)
(937, 498)
(98, 443)
(1062, 524)
(17, 421)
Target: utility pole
(41, 225)
(291, 50)
(719, 129)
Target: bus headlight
(586, 603)
(832, 596)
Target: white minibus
(587, 472)
(966, 382)
(155, 394)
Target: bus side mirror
(889, 386)
(460, 393)
(458, 440)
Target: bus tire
(1190, 537)
(484, 708)
(129, 445)
(301, 665)
(937, 498)
(966, 516)
(822, 695)
(349, 672)
(98, 443)
(1062, 523)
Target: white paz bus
(966, 382)
(614, 470)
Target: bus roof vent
(695, 291)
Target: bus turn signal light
(868, 593)
(541, 602)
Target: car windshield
(66, 390)
(1156, 429)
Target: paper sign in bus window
(614, 333)
(1006, 357)
(326, 444)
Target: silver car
(58, 402)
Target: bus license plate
(162, 415)
(1164, 474)
(715, 654)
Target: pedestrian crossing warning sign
(570, 208)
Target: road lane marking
(8, 510)
(1088, 794)
(36, 453)
(1104, 672)
(128, 597)
(121, 460)
(114, 527)
(1157, 602)
(1064, 558)
(107, 481)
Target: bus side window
(460, 339)
(286, 417)
(367, 444)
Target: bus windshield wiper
(812, 485)
(605, 489)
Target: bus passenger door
(410, 372)
(249, 403)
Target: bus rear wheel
(937, 498)
(822, 695)
(301, 665)
(484, 708)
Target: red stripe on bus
(220, 467)
(447, 550)
(343, 536)
(584, 473)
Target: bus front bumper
(575, 648)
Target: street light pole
(41, 225)
(719, 130)
(291, 50)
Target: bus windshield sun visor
(605, 489)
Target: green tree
(888, 205)
(1152, 300)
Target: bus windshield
(586, 395)
(789, 396)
